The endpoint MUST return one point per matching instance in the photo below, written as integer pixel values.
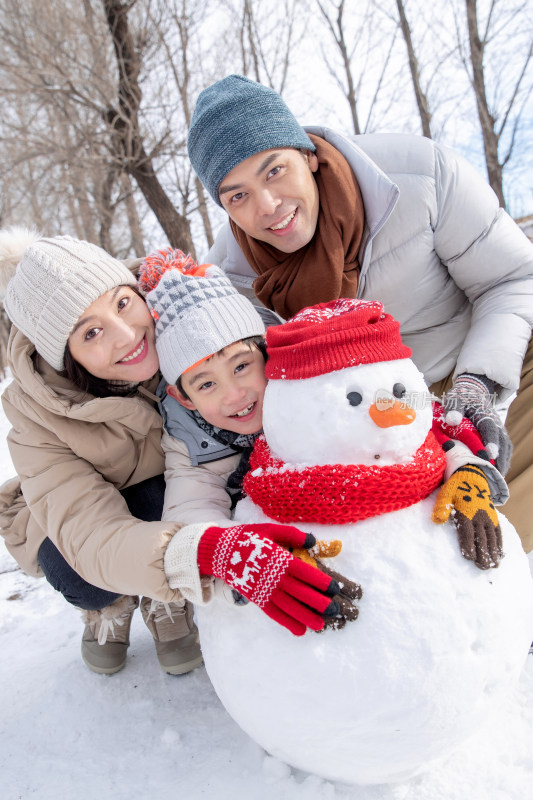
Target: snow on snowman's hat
(333, 336)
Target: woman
(85, 510)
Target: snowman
(349, 456)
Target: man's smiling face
(273, 197)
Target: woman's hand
(252, 560)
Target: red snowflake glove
(249, 559)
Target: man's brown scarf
(325, 269)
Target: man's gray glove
(471, 397)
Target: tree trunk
(421, 99)
(337, 31)
(182, 22)
(124, 125)
(204, 214)
(107, 211)
(486, 120)
(175, 225)
(133, 216)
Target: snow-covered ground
(140, 734)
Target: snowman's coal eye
(398, 390)
(354, 398)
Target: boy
(210, 342)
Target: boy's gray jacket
(448, 263)
(181, 424)
(197, 467)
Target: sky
(140, 734)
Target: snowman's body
(438, 642)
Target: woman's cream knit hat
(55, 280)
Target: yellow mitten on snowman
(466, 497)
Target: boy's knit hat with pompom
(49, 283)
(196, 309)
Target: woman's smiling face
(114, 339)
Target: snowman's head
(371, 414)
(343, 389)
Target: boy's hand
(249, 559)
(466, 495)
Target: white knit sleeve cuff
(181, 566)
(460, 455)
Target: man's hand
(466, 496)
(250, 559)
(470, 396)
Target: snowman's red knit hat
(333, 336)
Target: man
(315, 215)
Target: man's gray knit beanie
(234, 119)
(54, 282)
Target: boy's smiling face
(227, 389)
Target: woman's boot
(106, 637)
(175, 635)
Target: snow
(68, 732)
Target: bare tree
(509, 94)
(123, 122)
(269, 34)
(336, 27)
(79, 127)
(79, 139)
(57, 170)
(185, 18)
(363, 43)
(421, 98)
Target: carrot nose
(387, 413)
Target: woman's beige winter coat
(73, 455)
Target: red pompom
(156, 264)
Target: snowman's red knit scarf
(339, 493)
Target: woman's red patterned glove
(250, 559)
